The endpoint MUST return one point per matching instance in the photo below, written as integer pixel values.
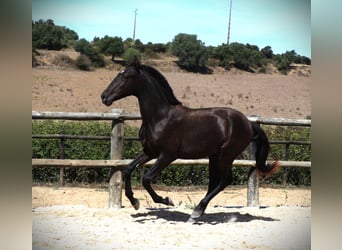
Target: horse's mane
(164, 86)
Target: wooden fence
(116, 163)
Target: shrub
(34, 60)
(283, 61)
(47, 35)
(267, 52)
(292, 176)
(191, 52)
(129, 55)
(85, 48)
(172, 175)
(63, 60)
(73, 149)
(83, 62)
(246, 57)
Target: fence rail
(123, 163)
(117, 164)
(122, 116)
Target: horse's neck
(153, 107)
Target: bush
(224, 55)
(283, 61)
(77, 149)
(47, 35)
(85, 48)
(83, 62)
(34, 60)
(191, 52)
(63, 60)
(155, 47)
(73, 149)
(172, 175)
(292, 176)
(129, 55)
(267, 52)
(244, 57)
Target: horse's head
(124, 84)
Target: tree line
(192, 53)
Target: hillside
(57, 87)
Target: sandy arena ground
(78, 218)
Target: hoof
(169, 202)
(136, 204)
(196, 214)
(191, 220)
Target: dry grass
(56, 88)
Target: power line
(230, 15)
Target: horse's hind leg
(214, 174)
(161, 163)
(224, 170)
(140, 160)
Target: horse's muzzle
(105, 100)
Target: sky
(282, 24)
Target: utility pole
(230, 15)
(135, 21)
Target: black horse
(170, 130)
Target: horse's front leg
(161, 163)
(139, 161)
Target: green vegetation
(172, 175)
(112, 46)
(244, 57)
(93, 53)
(130, 54)
(47, 35)
(192, 53)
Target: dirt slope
(56, 88)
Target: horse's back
(205, 131)
(224, 114)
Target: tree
(47, 35)
(139, 45)
(81, 45)
(112, 46)
(191, 52)
(267, 52)
(224, 55)
(85, 48)
(69, 35)
(128, 43)
(284, 61)
(246, 57)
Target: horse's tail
(261, 153)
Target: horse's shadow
(210, 218)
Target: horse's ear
(135, 62)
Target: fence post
(253, 180)
(61, 156)
(287, 157)
(115, 182)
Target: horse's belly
(199, 146)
